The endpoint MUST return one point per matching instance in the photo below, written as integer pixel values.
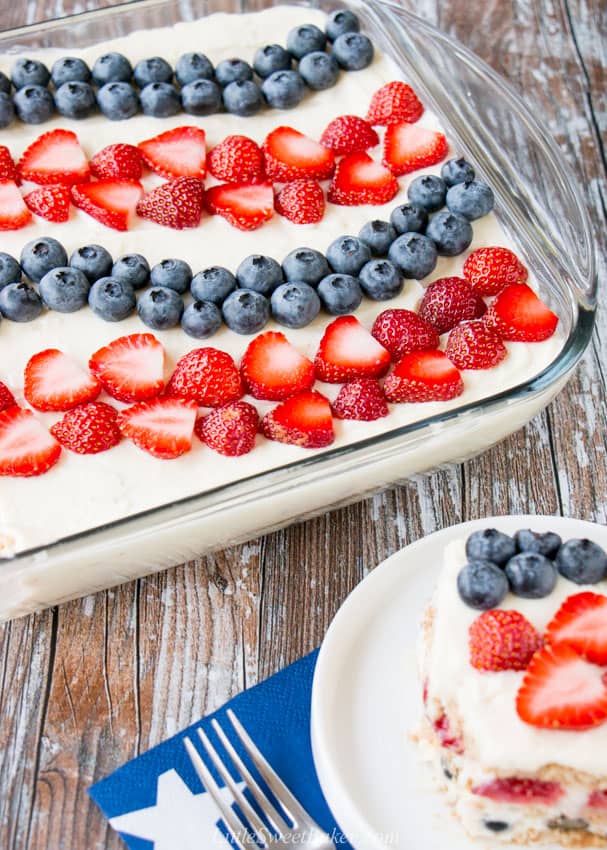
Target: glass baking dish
(539, 206)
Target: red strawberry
(53, 381)
(207, 376)
(598, 800)
(88, 428)
(289, 155)
(502, 640)
(408, 147)
(489, 270)
(8, 170)
(55, 157)
(517, 789)
(177, 204)
(423, 376)
(118, 162)
(236, 159)
(177, 153)
(131, 367)
(245, 205)
(302, 202)
(230, 430)
(13, 212)
(402, 331)
(273, 369)
(473, 345)
(445, 735)
(26, 447)
(50, 202)
(361, 399)
(347, 351)
(561, 690)
(349, 134)
(394, 102)
(112, 202)
(358, 179)
(7, 399)
(581, 622)
(163, 427)
(302, 420)
(447, 302)
(517, 314)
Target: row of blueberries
(204, 88)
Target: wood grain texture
(92, 683)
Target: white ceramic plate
(366, 698)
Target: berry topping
(447, 302)
(33, 105)
(64, 289)
(163, 427)
(160, 308)
(341, 21)
(472, 199)
(319, 70)
(502, 640)
(54, 382)
(285, 89)
(378, 236)
(290, 155)
(582, 561)
(112, 202)
(301, 201)
(41, 256)
(207, 376)
(517, 314)
(295, 304)
(306, 38)
(457, 171)
(246, 311)
(445, 735)
(349, 134)
(598, 800)
(361, 399)
(473, 345)
(514, 789)
(7, 399)
(118, 162)
(347, 351)
(130, 368)
(422, 376)
(118, 101)
(394, 102)
(244, 205)
(112, 299)
(20, 302)
(8, 170)
(381, 280)
(236, 159)
(54, 157)
(489, 270)
(93, 261)
(112, 67)
(340, 294)
(177, 204)
(176, 153)
(14, 214)
(88, 429)
(229, 430)
(50, 202)
(160, 100)
(26, 447)
(270, 58)
(408, 147)
(427, 192)
(403, 331)
(304, 420)
(348, 254)
(414, 255)
(273, 369)
(243, 97)
(581, 623)
(482, 585)
(451, 233)
(531, 576)
(489, 544)
(259, 273)
(546, 544)
(358, 179)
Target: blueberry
(7, 110)
(5, 83)
(93, 260)
(245, 311)
(193, 66)
(153, 70)
(233, 71)
(428, 192)
(306, 265)
(75, 100)
(408, 218)
(472, 199)
(176, 274)
(29, 72)
(353, 51)
(271, 58)
(10, 270)
(378, 236)
(340, 22)
(160, 100)
(65, 289)
(295, 304)
(201, 319)
(496, 825)
(243, 98)
(451, 233)
(414, 255)
(118, 101)
(531, 576)
(457, 171)
(305, 39)
(112, 299)
(490, 545)
(581, 561)
(40, 256)
(160, 308)
(202, 97)
(262, 274)
(213, 284)
(482, 585)
(283, 89)
(112, 68)
(546, 544)
(319, 70)
(348, 254)
(34, 104)
(133, 269)
(69, 69)
(20, 302)
(380, 280)
(340, 294)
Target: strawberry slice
(112, 202)
(396, 101)
(474, 345)
(13, 212)
(362, 399)
(163, 427)
(303, 420)
(8, 169)
(131, 367)
(54, 157)
(423, 376)
(598, 799)
(447, 302)
(561, 690)
(7, 399)
(489, 270)
(245, 205)
(402, 331)
(53, 381)
(347, 351)
(26, 447)
(408, 147)
(176, 153)
(118, 162)
(273, 369)
(177, 204)
(581, 622)
(519, 789)
(88, 429)
(518, 315)
(50, 202)
(349, 134)
(502, 640)
(302, 202)
(207, 376)
(229, 430)
(358, 179)
(290, 155)
(236, 159)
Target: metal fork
(302, 832)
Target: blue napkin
(156, 801)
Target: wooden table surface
(90, 684)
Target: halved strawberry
(7, 399)
(230, 430)
(162, 427)
(236, 159)
(26, 447)
(408, 147)
(13, 212)
(502, 640)
(347, 351)
(89, 428)
(118, 162)
(131, 367)
(53, 381)
(598, 799)
(517, 314)
(8, 169)
(290, 155)
(581, 622)
(561, 690)
(402, 331)
(54, 157)
(489, 270)
(520, 789)
(207, 376)
(303, 420)
(177, 204)
(245, 205)
(447, 302)
(361, 399)
(177, 153)
(396, 101)
(112, 202)
(302, 202)
(50, 202)
(474, 345)
(423, 376)
(349, 134)
(273, 369)
(358, 179)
